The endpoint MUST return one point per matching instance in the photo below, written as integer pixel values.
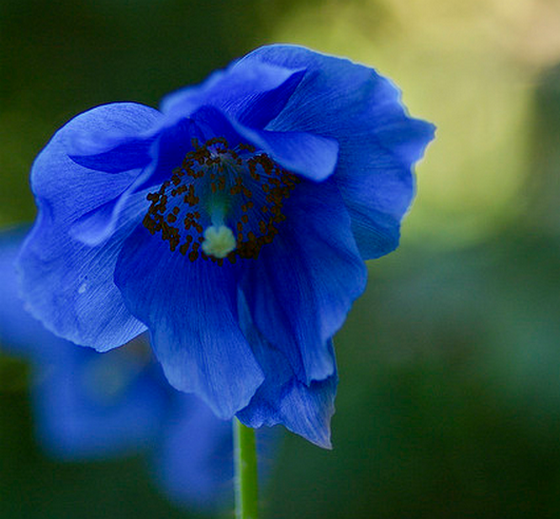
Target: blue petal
(378, 141)
(304, 283)
(256, 111)
(169, 149)
(282, 399)
(67, 284)
(211, 122)
(308, 155)
(191, 310)
(248, 95)
(78, 187)
(253, 93)
(125, 153)
(194, 463)
(109, 144)
(70, 190)
(94, 405)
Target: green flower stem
(246, 484)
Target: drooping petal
(378, 141)
(253, 93)
(92, 405)
(248, 95)
(307, 155)
(376, 218)
(168, 150)
(71, 190)
(304, 283)
(310, 156)
(283, 399)
(191, 311)
(119, 152)
(69, 286)
(114, 138)
(107, 139)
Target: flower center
(221, 202)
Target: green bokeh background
(449, 401)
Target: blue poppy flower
(233, 224)
(90, 405)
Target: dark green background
(449, 401)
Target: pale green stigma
(219, 241)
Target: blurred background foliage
(449, 402)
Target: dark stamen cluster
(250, 184)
